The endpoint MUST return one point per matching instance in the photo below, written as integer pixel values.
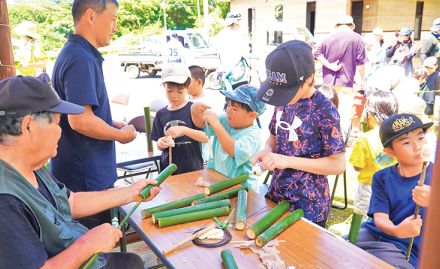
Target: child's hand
(165, 142)
(211, 118)
(274, 161)
(198, 108)
(409, 227)
(176, 131)
(421, 195)
(260, 155)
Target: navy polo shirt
(83, 163)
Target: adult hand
(140, 185)
(409, 227)
(103, 238)
(211, 118)
(335, 66)
(421, 195)
(128, 134)
(274, 161)
(176, 131)
(118, 124)
(165, 142)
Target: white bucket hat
(27, 28)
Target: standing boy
(173, 128)
(305, 142)
(395, 193)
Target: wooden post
(7, 67)
(431, 243)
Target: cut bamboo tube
(219, 196)
(147, 119)
(224, 184)
(355, 226)
(240, 218)
(268, 219)
(190, 209)
(170, 155)
(148, 212)
(192, 237)
(194, 216)
(279, 227)
(228, 259)
(145, 193)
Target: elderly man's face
(45, 137)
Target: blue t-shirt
(309, 129)
(83, 163)
(187, 152)
(392, 195)
(247, 144)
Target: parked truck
(149, 59)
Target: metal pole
(7, 67)
(165, 14)
(199, 19)
(206, 16)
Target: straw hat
(27, 28)
(412, 104)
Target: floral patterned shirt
(309, 129)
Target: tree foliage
(135, 17)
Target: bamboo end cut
(250, 234)
(239, 225)
(259, 242)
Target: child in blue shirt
(395, 193)
(173, 128)
(236, 137)
(305, 142)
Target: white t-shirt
(174, 52)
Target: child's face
(408, 148)
(176, 96)
(195, 87)
(238, 117)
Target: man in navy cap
(37, 212)
(305, 142)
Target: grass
(338, 215)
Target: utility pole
(164, 6)
(199, 19)
(7, 67)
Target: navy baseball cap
(398, 125)
(287, 67)
(25, 95)
(246, 94)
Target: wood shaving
(213, 234)
(201, 182)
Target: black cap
(24, 95)
(287, 67)
(398, 125)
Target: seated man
(395, 193)
(37, 226)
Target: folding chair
(344, 177)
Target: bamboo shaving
(268, 254)
(201, 182)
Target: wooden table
(306, 244)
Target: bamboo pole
(148, 128)
(194, 216)
(267, 220)
(228, 259)
(171, 205)
(219, 196)
(224, 184)
(7, 66)
(355, 226)
(240, 219)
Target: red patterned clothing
(309, 129)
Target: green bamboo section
(219, 196)
(224, 184)
(240, 219)
(148, 127)
(145, 193)
(189, 209)
(228, 259)
(194, 216)
(268, 219)
(355, 226)
(279, 227)
(148, 212)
